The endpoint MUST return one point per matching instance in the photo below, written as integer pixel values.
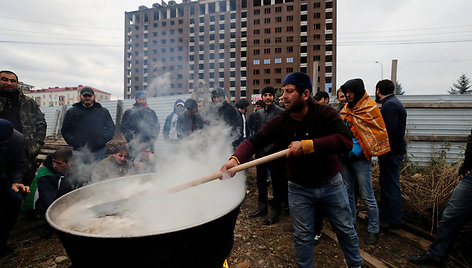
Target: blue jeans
(360, 171)
(456, 214)
(390, 203)
(331, 197)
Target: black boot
(273, 218)
(259, 212)
(425, 259)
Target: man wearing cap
(140, 125)
(87, 127)
(277, 167)
(170, 126)
(221, 110)
(12, 165)
(315, 135)
(24, 113)
(189, 121)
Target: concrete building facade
(241, 46)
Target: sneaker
(371, 238)
(425, 259)
(317, 239)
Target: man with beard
(140, 125)
(370, 138)
(12, 165)
(277, 167)
(220, 109)
(394, 115)
(315, 135)
(87, 127)
(24, 113)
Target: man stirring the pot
(315, 135)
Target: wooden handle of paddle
(237, 168)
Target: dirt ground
(254, 243)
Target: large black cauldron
(205, 243)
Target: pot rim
(149, 233)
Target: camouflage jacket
(32, 122)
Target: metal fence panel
(435, 122)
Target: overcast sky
(52, 43)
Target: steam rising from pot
(152, 209)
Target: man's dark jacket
(230, 115)
(321, 124)
(12, 158)
(91, 127)
(140, 123)
(188, 123)
(265, 115)
(394, 116)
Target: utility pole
(394, 72)
(315, 77)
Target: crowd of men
(328, 166)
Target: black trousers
(279, 183)
(10, 205)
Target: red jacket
(322, 125)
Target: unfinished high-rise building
(238, 45)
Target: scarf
(367, 126)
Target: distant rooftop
(59, 89)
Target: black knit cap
(190, 104)
(268, 89)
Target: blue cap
(300, 80)
(140, 95)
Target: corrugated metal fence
(435, 123)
